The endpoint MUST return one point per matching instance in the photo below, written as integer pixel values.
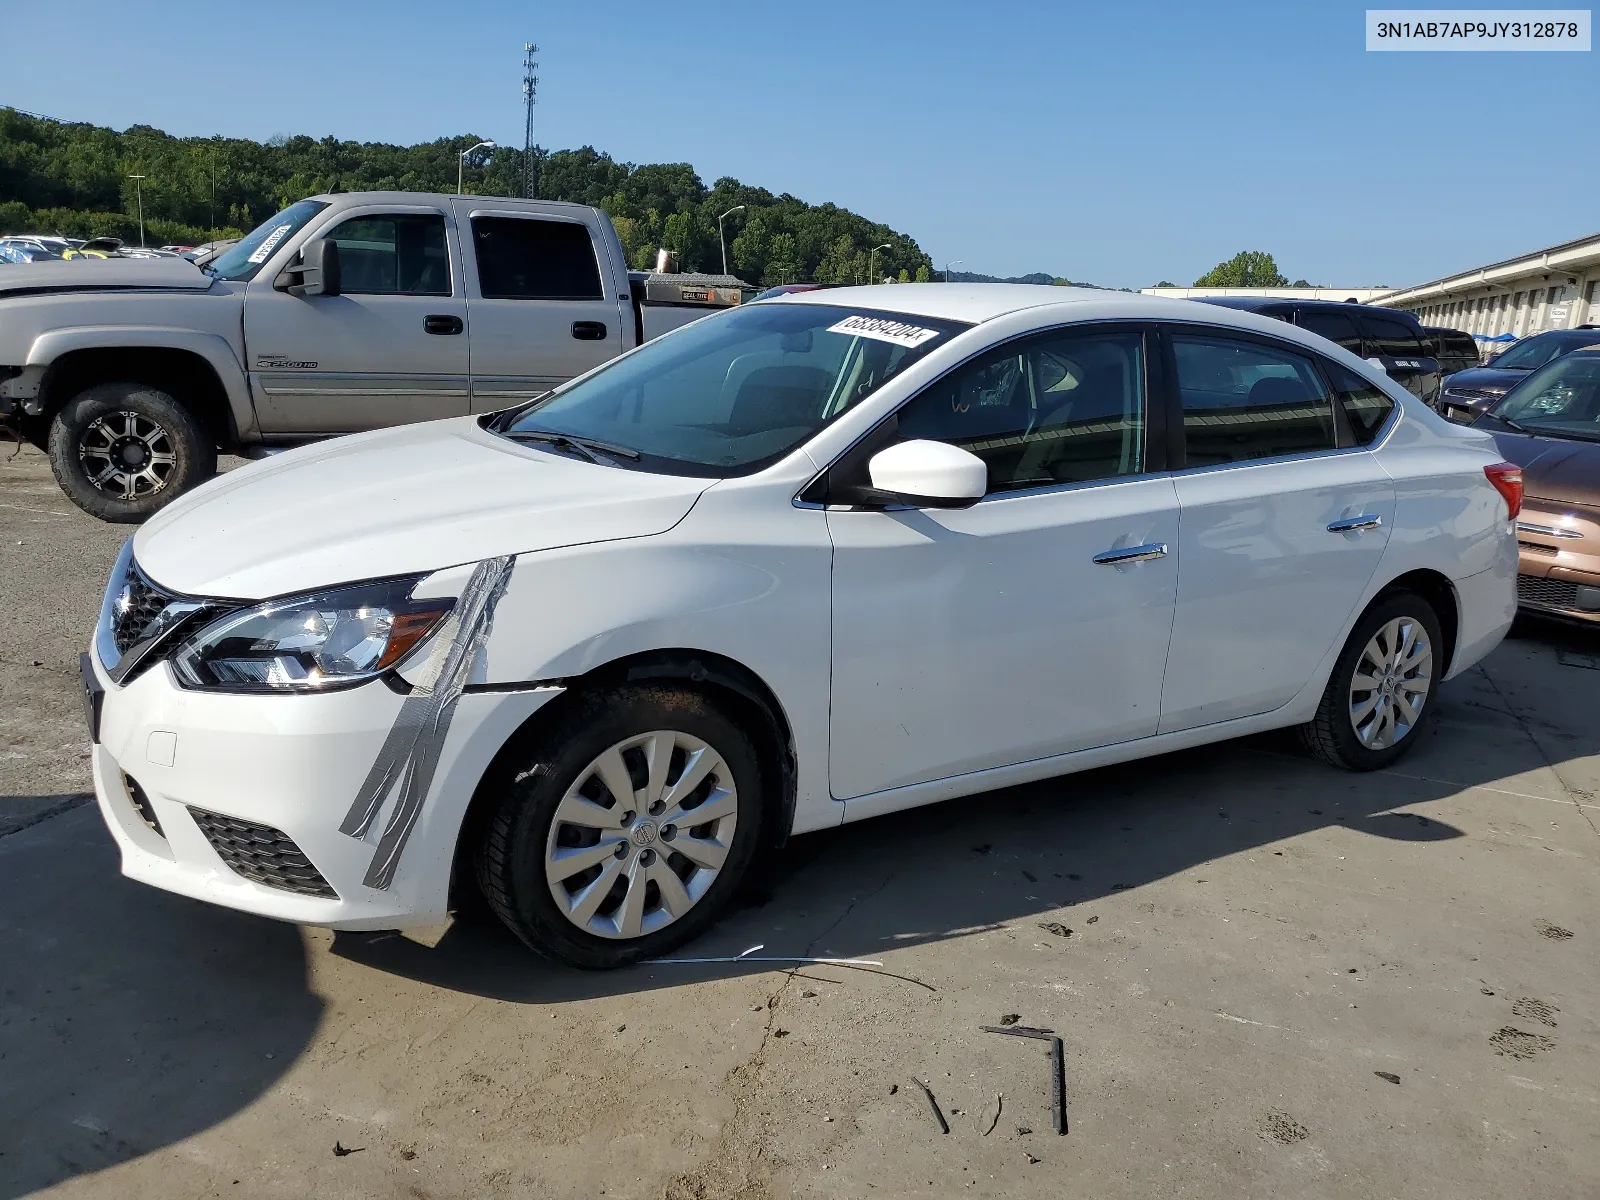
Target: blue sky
(1118, 143)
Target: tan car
(1549, 425)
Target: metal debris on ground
(1058, 1066)
(999, 1107)
(944, 1126)
(339, 1151)
(1389, 1075)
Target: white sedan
(813, 560)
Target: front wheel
(121, 451)
(1382, 686)
(624, 830)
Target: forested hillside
(72, 179)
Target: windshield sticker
(884, 330)
(267, 247)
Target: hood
(1558, 469)
(105, 274)
(395, 502)
(1484, 379)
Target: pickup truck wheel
(120, 451)
(624, 830)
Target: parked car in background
(1455, 349)
(340, 314)
(21, 252)
(1549, 424)
(57, 246)
(1467, 394)
(1390, 339)
(786, 289)
(812, 560)
(207, 251)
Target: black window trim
(850, 464)
(1344, 435)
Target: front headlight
(311, 643)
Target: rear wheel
(625, 830)
(121, 451)
(1382, 686)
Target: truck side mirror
(315, 274)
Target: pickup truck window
(244, 258)
(393, 255)
(731, 393)
(524, 258)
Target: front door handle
(1356, 524)
(589, 331)
(1132, 554)
(439, 323)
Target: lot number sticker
(884, 330)
(267, 247)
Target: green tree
(1248, 268)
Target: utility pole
(872, 258)
(138, 191)
(461, 162)
(530, 93)
(720, 238)
(958, 262)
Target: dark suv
(1468, 393)
(1455, 350)
(1386, 337)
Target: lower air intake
(263, 854)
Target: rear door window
(1244, 401)
(1337, 327)
(528, 258)
(1393, 338)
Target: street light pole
(958, 262)
(872, 258)
(461, 162)
(138, 191)
(720, 238)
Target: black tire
(1331, 735)
(531, 782)
(83, 444)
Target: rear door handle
(589, 331)
(439, 323)
(1132, 554)
(1356, 524)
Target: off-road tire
(529, 783)
(1331, 735)
(193, 451)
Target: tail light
(1507, 480)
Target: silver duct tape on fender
(410, 754)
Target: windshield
(1560, 400)
(243, 259)
(1525, 356)
(730, 394)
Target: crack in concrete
(1527, 732)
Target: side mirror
(315, 274)
(928, 475)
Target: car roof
(978, 302)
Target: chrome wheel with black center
(622, 826)
(123, 450)
(1391, 683)
(641, 834)
(126, 455)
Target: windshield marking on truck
(267, 247)
(884, 330)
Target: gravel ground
(1271, 978)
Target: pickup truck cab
(340, 314)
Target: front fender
(52, 344)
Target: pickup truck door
(545, 300)
(390, 348)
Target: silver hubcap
(1391, 683)
(127, 455)
(641, 834)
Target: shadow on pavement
(129, 1018)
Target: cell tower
(530, 92)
